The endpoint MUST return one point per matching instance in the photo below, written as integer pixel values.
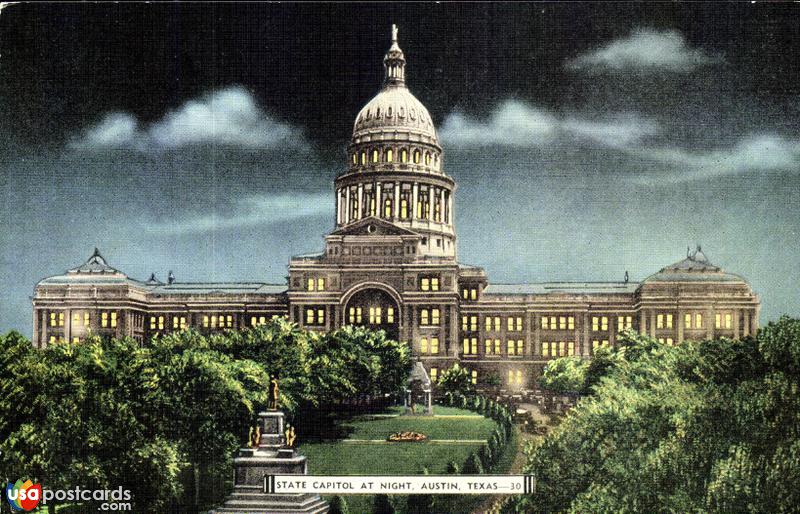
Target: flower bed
(406, 437)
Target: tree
(338, 505)
(456, 380)
(473, 465)
(452, 468)
(564, 375)
(710, 426)
(382, 505)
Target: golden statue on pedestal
(290, 436)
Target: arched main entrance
(373, 308)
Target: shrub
(452, 468)
(473, 465)
(382, 505)
(338, 505)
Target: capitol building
(391, 264)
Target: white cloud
(645, 49)
(251, 211)
(763, 153)
(514, 123)
(228, 117)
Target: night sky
(586, 139)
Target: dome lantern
(394, 63)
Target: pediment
(373, 226)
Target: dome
(394, 113)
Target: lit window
(698, 320)
(511, 348)
(728, 320)
(310, 286)
(545, 323)
(75, 339)
(520, 346)
(595, 323)
(355, 315)
(424, 317)
(309, 316)
(464, 323)
(76, 317)
(488, 323)
(425, 284)
(363, 157)
(434, 283)
(52, 319)
(205, 321)
(355, 159)
(427, 159)
(416, 156)
(511, 377)
(85, 319)
(660, 321)
(474, 377)
(403, 208)
(434, 316)
(545, 349)
(104, 319)
(473, 294)
(687, 321)
(497, 346)
(488, 347)
(718, 320)
(519, 377)
(375, 315)
(320, 284)
(434, 374)
(571, 348)
(262, 320)
(374, 156)
(390, 315)
(669, 321)
(470, 346)
(562, 323)
(562, 346)
(387, 208)
(423, 345)
(113, 320)
(624, 323)
(571, 323)
(389, 155)
(434, 345)
(403, 155)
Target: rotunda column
(396, 200)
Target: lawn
(364, 450)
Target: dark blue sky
(586, 139)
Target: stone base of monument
(271, 457)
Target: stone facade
(391, 264)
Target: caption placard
(400, 484)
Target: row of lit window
(317, 284)
(375, 315)
(558, 348)
(513, 347)
(221, 321)
(429, 317)
(666, 340)
(107, 319)
(558, 323)
(423, 208)
(260, 320)
(513, 323)
(599, 343)
(388, 155)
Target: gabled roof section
(96, 264)
(373, 226)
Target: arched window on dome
(416, 156)
(378, 113)
(403, 208)
(427, 158)
(389, 112)
(355, 159)
(374, 155)
(363, 157)
(403, 155)
(387, 208)
(389, 155)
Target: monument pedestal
(269, 458)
